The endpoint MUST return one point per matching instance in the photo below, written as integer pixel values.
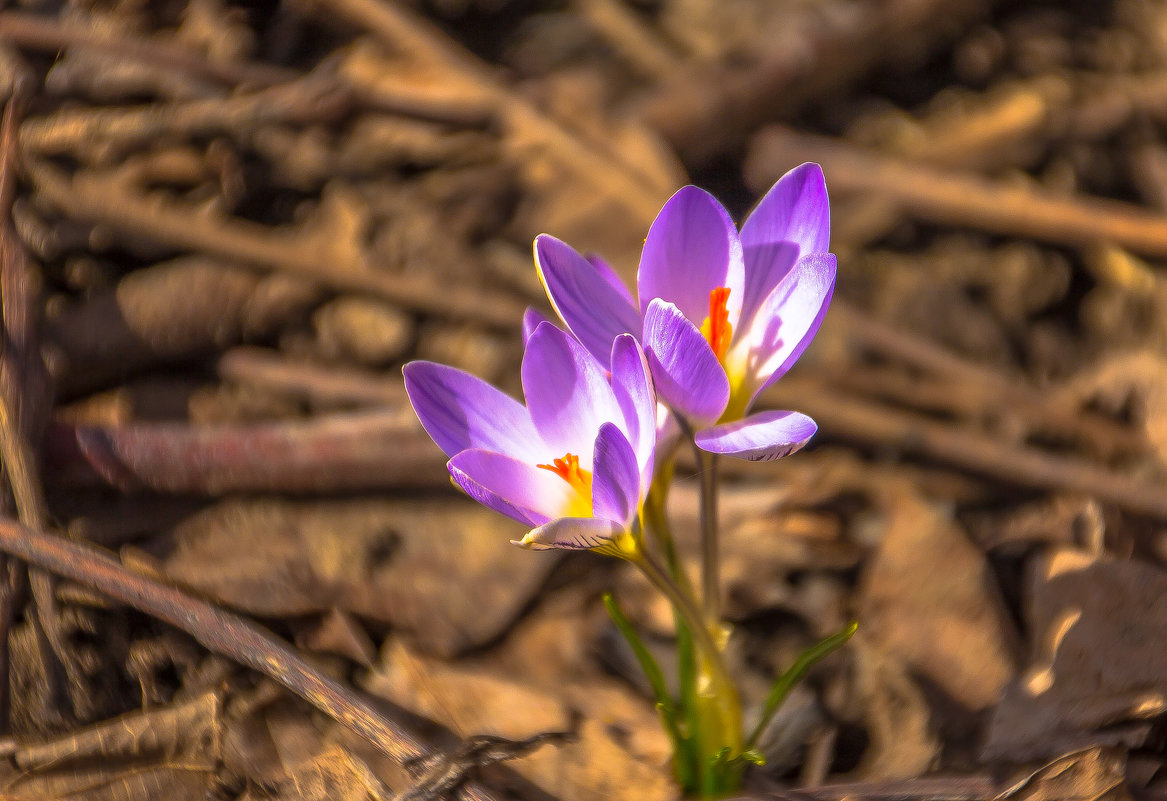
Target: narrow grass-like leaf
(687, 680)
(785, 683)
(656, 680)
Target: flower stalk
(586, 462)
(710, 547)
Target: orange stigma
(568, 469)
(717, 329)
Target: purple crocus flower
(575, 463)
(722, 315)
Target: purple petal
(572, 533)
(616, 480)
(517, 489)
(568, 394)
(792, 220)
(531, 319)
(760, 437)
(590, 305)
(632, 385)
(461, 411)
(685, 371)
(609, 274)
(788, 320)
(692, 248)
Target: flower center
(717, 329)
(578, 479)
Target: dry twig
(877, 425)
(325, 254)
(221, 632)
(959, 199)
(359, 451)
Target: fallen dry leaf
(619, 750)
(1096, 675)
(928, 597)
(386, 560)
(167, 751)
(1094, 774)
(335, 774)
(903, 741)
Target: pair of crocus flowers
(721, 316)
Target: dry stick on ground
(219, 631)
(637, 43)
(36, 32)
(592, 162)
(862, 421)
(708, 110)
(314, 383)
(330, 257)
(1007, 126)
(169, 312)
(373, 450)
(1040, 410)
(308, 100)
(957, 199)
(873, 424)
(49, 34)
(13, 574)
(24, 405)
(939, 788)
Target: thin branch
(592, 162)
(24, 402)
(875, 424)
(318, 384)
(709, 109)
(929, 788)
(311, 99)
(219, 631)
(338, 453)
(964, 200)
(318, 255)
(41, 33)
(1041, 410)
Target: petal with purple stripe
(760, 437)
(568, 394)
(685, 370)
(572, 534)
(632, 385)
(517, 489)
(584, 297)
(616, 480)
(787, 322)
(692, 248)
(792, 220)
(461, 411)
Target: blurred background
(225, 227)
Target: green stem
(657, 521)
(719, 689)
(688, 609)
(710, 557)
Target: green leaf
(785, 683)
(690, 713)
(656, 680)
(751, 755)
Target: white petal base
(573, 534)
(760, 437)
